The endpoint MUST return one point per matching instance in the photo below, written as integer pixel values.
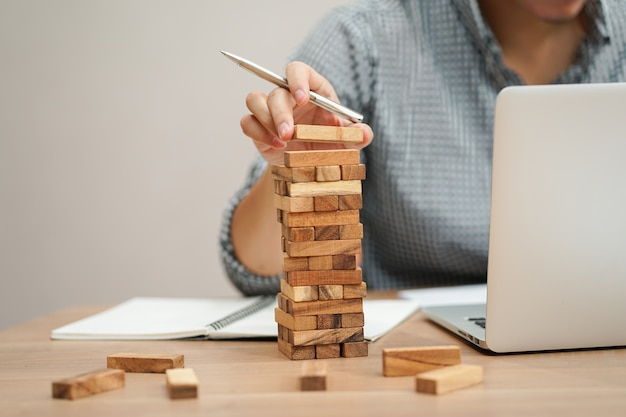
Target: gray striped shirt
(425, 74)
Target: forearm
(255, 233)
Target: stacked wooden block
(318, 198)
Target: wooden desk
(252, 378)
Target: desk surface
(252, 378)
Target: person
(425, 75)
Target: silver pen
(314, 98)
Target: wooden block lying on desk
(313, 376)
(87, 384)
(412, 361)
(295, 159)
(450, 378)
(181, 383)
(145, 362)
(330, 134)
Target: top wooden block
(294, 159)
(330, 134)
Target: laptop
(556, 276)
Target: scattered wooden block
(313, 377)
(181, 383)
(316, 189)
(145, 362)
(87, 384)
(295, 322)
(412, 361)
(354, 349)
(295, 159)
(320, 133)
(450, 378)
(321, 218)
(324, 247)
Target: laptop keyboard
(479, 321)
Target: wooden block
(344, 262)
(325, 277)
(295, 264)
(331, 134)
(353, 172)
(315, 189)
(329, 351)
(350, 202)
(296, 352)
(296, 204)
(313, 377)
(181, 383)
(145, 362)
(331, 292)
(326, 336)
(300, 174)
(280, 187)
(325, 203)
(324, 247)
(354, 349)
(313, 308)
(279, 216)
(320, 263)
(450, 378)
(295, 323)
(352, 320)
(412, 361)
(299, 234)
(355, 291)
(328, 173)
(322, 218)
(350, 231)
(295, 159)
(87, 384)
(329, 321)
(331, 232)
(300, 293)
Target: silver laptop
(557, 248)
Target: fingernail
(283, 130)
(277, 143)
(300, 96)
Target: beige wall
(120, 142)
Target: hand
(271, 122)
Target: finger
(262, 138)
(280, 104)
(256, 102)
(368, 136)
(303, 79)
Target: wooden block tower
(318, 198)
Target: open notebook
(150, 318)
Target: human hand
(271, 122)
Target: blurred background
(120, 142)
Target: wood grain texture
(320, 263)
(299, 234)
(181, 383)
(354, 349)
(350, 202)
(351, 231)
(331, 292)
(87, 384)
(344, 262)
(353, 172)
(448, 379)
(313, 308)
(326, 336)
(325, 203)
(299, 293)
(329, 321)
(295, 204)
(352, 320)
(331, 232)
(296, 352)
(295, 264)
(328, 173)
(355, 291)
(329, 351)
(316, 189)
(313, 376)
(300, 174)
(295, 159)
(295, 323)
(145, 362)
(324, 247)
(330, 134)
(321, 218)
(414, 360)
(329, 277)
